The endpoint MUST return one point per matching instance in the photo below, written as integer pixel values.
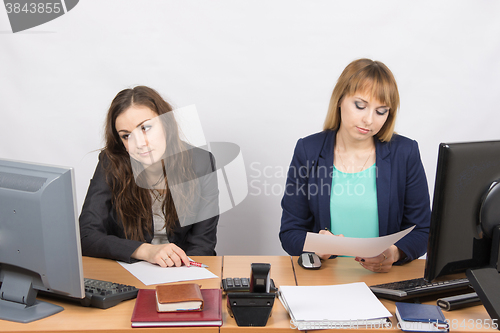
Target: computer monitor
(465, 180)
(39, 239)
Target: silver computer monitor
(39, 239)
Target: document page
(348, 246)
(150, 274)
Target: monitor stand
(18, 299)
(486, 281)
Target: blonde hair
(373, 78)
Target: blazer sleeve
(416, 207)
(100, 234)
(297, 218)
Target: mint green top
(353, 203)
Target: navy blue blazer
(402, 192)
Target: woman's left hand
(381, 263)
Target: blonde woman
(358, 178)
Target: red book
(145, 314)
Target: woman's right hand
(165, 255)
(326, 232)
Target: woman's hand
(165, 255)
(383, 262)
(326, 232)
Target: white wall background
(260, 74)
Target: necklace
(159, 180)
(157, 195)
(162, 176)
(345, 168)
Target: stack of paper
(336, 306)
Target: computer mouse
(309, 261)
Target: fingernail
(363, 260)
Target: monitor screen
(39, 239)
(465, 173)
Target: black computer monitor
(465, 222)
(39, 239)
(465, 175)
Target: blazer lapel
(324, 180)
(383, 161)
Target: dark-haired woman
(153, 197)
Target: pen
(197, 264)
(442, 326)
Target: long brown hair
(373, 77)
(131, 200)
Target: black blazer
(101, 231)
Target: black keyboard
(413, 288)
(100, 294)
(105, 294)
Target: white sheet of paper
(153, 274)
(348, 246)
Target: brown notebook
(178, 297)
